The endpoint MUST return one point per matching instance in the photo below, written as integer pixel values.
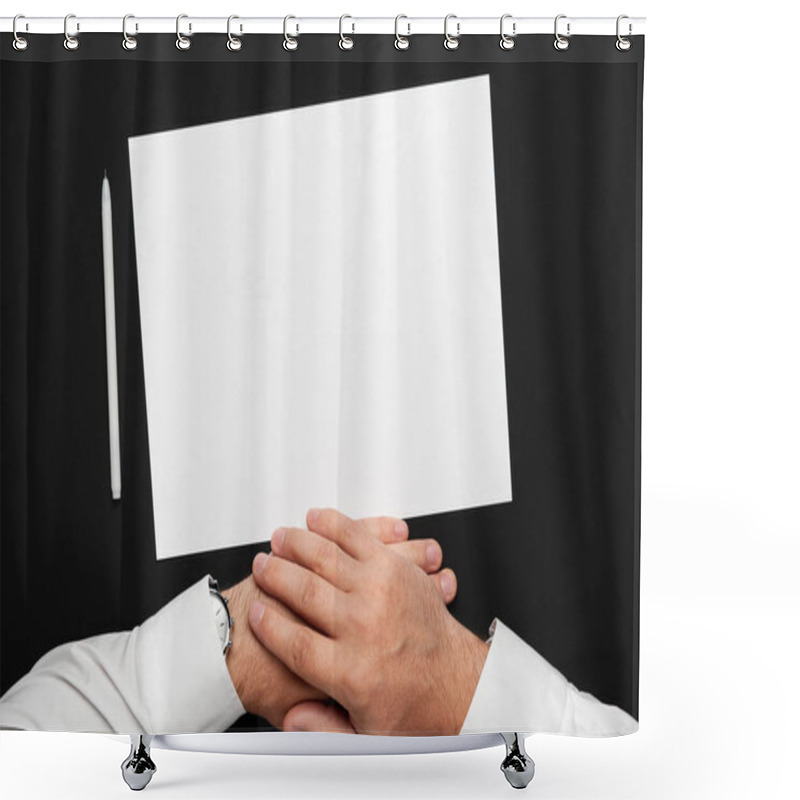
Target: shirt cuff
(180, 658)
(520, 691)
(167, 675)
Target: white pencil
(111, 342)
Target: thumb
(313, 715)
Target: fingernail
(259, 561)
(400, 529)
(448, 583)
(313, 514)
(277, 538)
(432, 553)
(256, 612)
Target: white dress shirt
(521, 692)
(168, 675)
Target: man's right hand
(264, 685)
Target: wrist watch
(222, 616)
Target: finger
(273, 605)
(312, 598)
(304, 651)
(318, 554)
(425, 553)
(312, 715)
(445, 581)
(386, 529)
(350, 535)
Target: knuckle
(268, 569)
(289, 546)
(300, 649)
(308, 592)
(380, 528)
(349, 536)
(381, 604)
(394, 564)
(322, 556)
(359, 619)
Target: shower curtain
(375, 311)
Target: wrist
(469, 653)
(238, 656)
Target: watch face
(222, 624)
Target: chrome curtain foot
(517, 766)
(138, 768)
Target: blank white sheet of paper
(321, 315)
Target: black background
(559, 564)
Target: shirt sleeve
(519, 691)
(167, 675)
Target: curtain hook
(451, 42)
(289, 43)
(401, 42)
(623, 44)
(129, 42)
(561, 42)
(346, 42)
(70, 42)
(20, 42)
(507, 42)
(182, 42)
(234, 43)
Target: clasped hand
(349, 631)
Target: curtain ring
(346, 42)
(507, 42)
(20, 42)
(451, 42)
(70, 42)
(561, 42)
(289, 43)
(623, 44)
(234, 43)
(182, 42)
(128, 42)
(401, 42)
